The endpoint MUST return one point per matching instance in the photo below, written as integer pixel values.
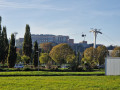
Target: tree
(116, 52)
(5, 45)
(111, 47)
(90, 57)
(102, 53)
(35, 54)
(25, 59)
(44, 58)
(62, 53)
(19, 59)
(11, 59)
(27, 44)
(46, 46)
(78, 58)
(1, 40)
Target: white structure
(43, 38)
(15, 33)
(95, 31)
(112, 66)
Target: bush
(1, 69)
(27, 69)
(26, 59)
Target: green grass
(49, 73)
(46, 80)
(60, 83)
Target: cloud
(29, 5)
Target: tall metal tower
(95, 32)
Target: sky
(64, 17)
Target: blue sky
(64, 17)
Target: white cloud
(6, 4)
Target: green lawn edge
(50, 73)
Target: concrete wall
(112, 66)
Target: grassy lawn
(60, 82)
(46, 80)
(49, 73)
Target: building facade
(44, 38)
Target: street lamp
(38, 59)
(15, 33)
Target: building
(44, 38)
(81, 46)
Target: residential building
(44, 38)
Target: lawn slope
(60, 82)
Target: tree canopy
(1, 40)
(35, 60)
(12, 52)
(90, 57)
(25, 59)
(27, 44)
(102, 53)
(94, 56)
(5, 45)
(46, 46)
(116, 52)
(62, 53)
(44, 58)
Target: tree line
(48, 53)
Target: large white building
(44, 38)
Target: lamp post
(15, 33)
(38, 59)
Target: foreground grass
(49, 73)
(60, 82)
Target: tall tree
(0, 24)
(27, 44)
(11, 59)
(36, 54)
(102, 53)
(62, 53)
(1, 41)
(90, 57)
(5, 45)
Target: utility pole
(15, 33)
(95, 32)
